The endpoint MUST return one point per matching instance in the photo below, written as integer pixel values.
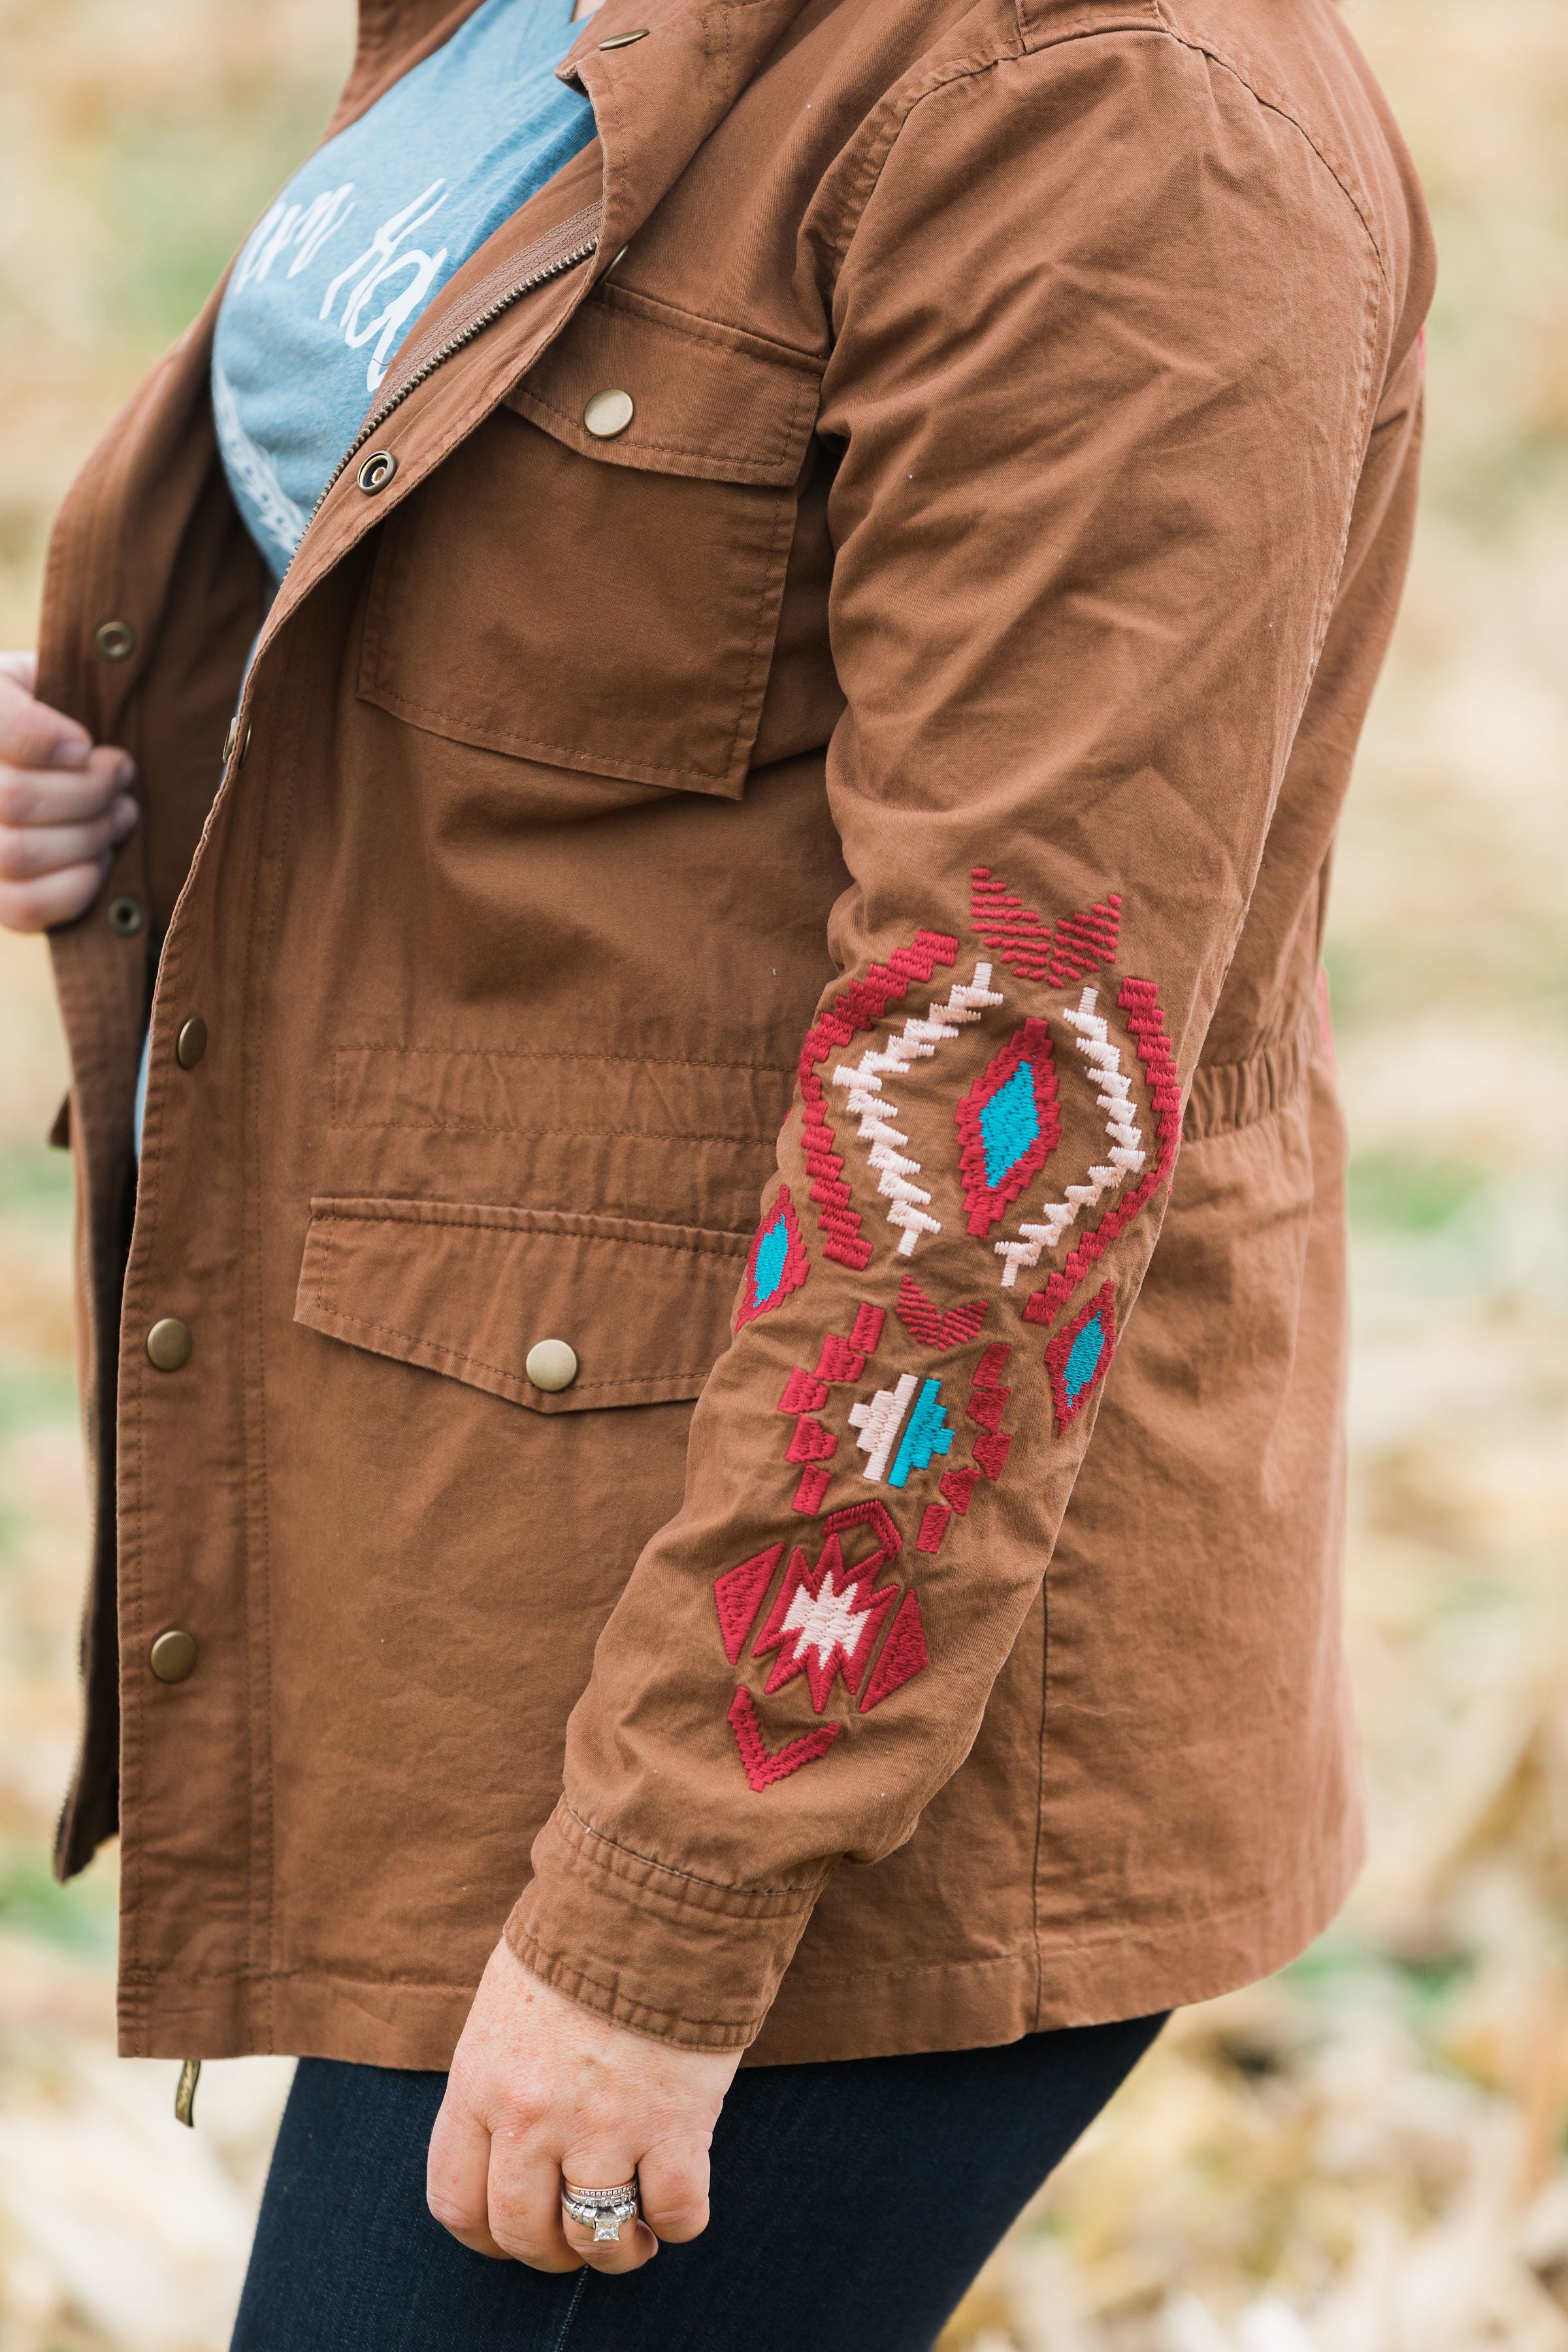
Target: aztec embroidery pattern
(1063, 1102)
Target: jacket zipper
(583, 229)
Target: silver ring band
(602, 2209)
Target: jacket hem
(960, 2004)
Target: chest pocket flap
(593, 579)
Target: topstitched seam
(673, 1870)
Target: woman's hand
(540, 2089)
(65, 807)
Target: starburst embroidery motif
(824, 1623)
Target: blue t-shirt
(364, 236)
(357, 245)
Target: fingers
(59, 897)
(604, 2163)
(31, 734)
(673, 2176)
(30, 796)
(456, 2175)
(29, 851)
(58, 835)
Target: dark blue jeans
(853, 2203)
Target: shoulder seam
(881, 146)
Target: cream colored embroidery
(967, 1000)
(1093, 1039)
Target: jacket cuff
(680, 1959)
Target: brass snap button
(624, 40)
(174, 1655)
(192, 1042)
(551, 1364)
(116, 640)
(609, 413)
(125, 917)
(169, 1343)
(376, 472)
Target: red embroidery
(958, 1485)
(866, 1331)
(925, 1321)
(934, 1527)
(804, 1392)
(776, 1279)
(988, 1203)
(738, 1596)
(1139, 999)
(810, 1442)
(904, 1655)
(824, 1621)
(1076, 1363)
(763, 1770)
(861, 1006)
(993, 1364)
(1081, 942)
(991, 1452)
(808, 1495)
(987, 1405)
(1012, 931)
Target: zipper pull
(185, 2093)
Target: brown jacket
(955, 664)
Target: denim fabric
(853, 2203)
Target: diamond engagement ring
(602, 2209)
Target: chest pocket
(604, 600)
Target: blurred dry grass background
(1367, 2155)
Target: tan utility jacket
(881, 764)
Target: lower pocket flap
(469, 1289)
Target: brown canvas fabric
(955, 664)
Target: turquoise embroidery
(926, 1433)
(767, 1272)
(1083, 1361)
(1009, 1124)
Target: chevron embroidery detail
(1140, 1000)
(926, 1435)
(860, 1006)
(1079, 1356)
(920, 1038)
(1125, 1157)
(904, 1654)
(925, 1321)
(806, 1393)
(1081, 942)
(1010, 1123)
(1014, 932)
(1026, 943)
(762, 1769)
(777, 1263)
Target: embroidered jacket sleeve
(1075, 659)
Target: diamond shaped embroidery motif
(777, 1263)
(1010, 1124)
(1079, 1356)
